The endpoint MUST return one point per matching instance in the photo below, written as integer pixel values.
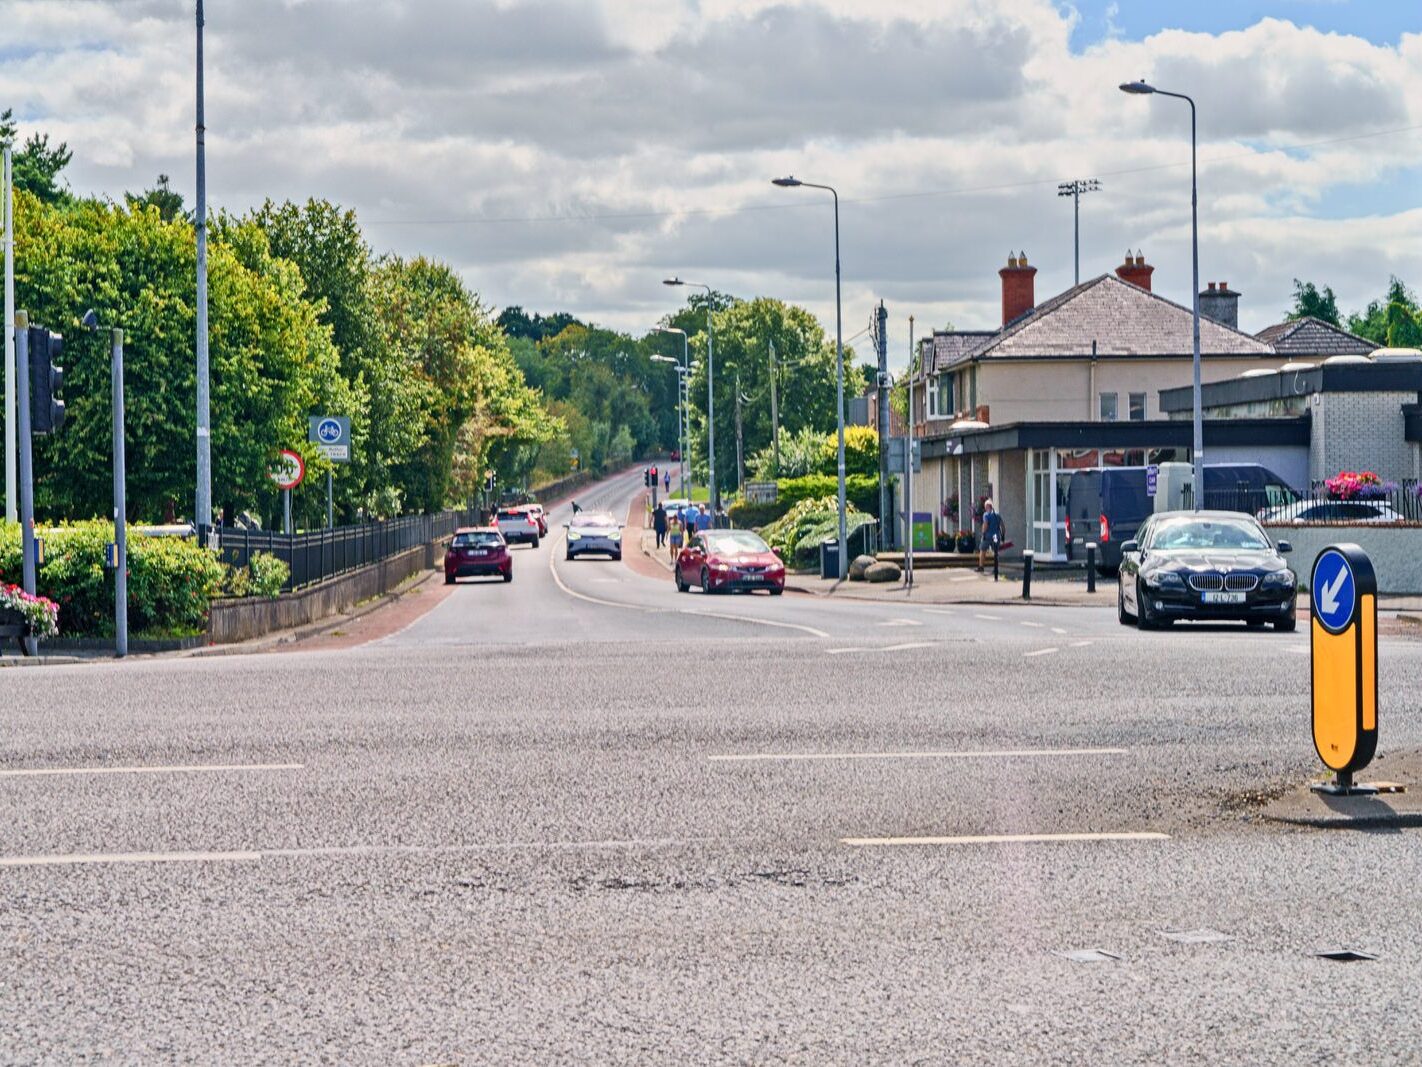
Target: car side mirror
(1284, 547)
(1130, 546)
(567, 525)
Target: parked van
(1108, 505)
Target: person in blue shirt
(991, 539)
(703, 518)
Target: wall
(1361, 431)
(1396, 551)
(248, 617)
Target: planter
(14, 627)
(967, 544)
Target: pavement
(582, 817)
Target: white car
(596, 532)
(1304, 512)
(675, 504)
(518, 524)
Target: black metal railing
(1393, 504)
(315, 555)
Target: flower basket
(1359, 485)
(22, 615)
(966, 542)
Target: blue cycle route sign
(331, 434)
(1334, 591)
(329, 431)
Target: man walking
(991, 539)
(659, 524)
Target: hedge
(861, 493)
(171, 581)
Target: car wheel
(449, 579)
(1144, 619)
(705, 580)
(776, 591)
(1124, 617)
(616, 556)
(1254, 624)
(1286, 626)
(508, 576)
(535, 542)
(681, 586)
(568, 556)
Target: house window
(944, 397)
(1138, 407)
(1108, 407)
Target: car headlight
(573, 535)
(1165, 580)
(720, 567)
(1279, 580)
(616, 535)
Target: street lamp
(680, 411)
(794, 183)
(685, 467)
(710, 390)
(1142, 88)
(1074, 189)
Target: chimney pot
(1220, 305)
(1135, 270)
(1018, 287)
(1212, 286)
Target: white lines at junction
(196, 768)
(1040, 652)
(1002, 753)
(880, 648)
(1004, 839)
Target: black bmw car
(1205, 565)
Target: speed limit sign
(288, 471)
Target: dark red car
(724, 561)
(477, 550)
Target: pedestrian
(659, 524)
(666, 481)
(992, 533)
(688, 517)
(576, 509)
(674, 536)
(703, 518)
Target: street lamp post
(685, 432)
(710, 389)
(792, 183)
(202, 508)
(1142, 88)
(680, 410)
(1074, 189)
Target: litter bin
(829, 557)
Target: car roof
(476, 529)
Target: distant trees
(1309, 301)
(1394, 321)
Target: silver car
(596, 532)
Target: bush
(268, 575)
(860, 490)
(171, 581)
(797, 534)
(747, 516)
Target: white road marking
(1005, 753)
(76, 859)
(1040, 652)
(1034, 625)
(989, 618)
(939, 611)
(965, 578)
(196, 768)
(1080, 644)
(879, 648)
(910, 644)
(1058, 630)
(901, 622)
(1298, 651)
(842, 651)
(1003, 839)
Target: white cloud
(657, 124)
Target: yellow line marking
(1002, 839)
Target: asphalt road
(555, 821)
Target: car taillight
(1068, 528)
(1105, 529)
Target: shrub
(268, 575)
(860, 490)
(170, 580)
(748, 516)
(797, 534)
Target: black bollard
(994, 561)
(1027, 574)
(1091, 566)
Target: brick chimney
(1135, 270)
(1221, 303)
(1018, 296)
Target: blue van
(1107, 505)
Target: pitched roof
(1309, 336)
(1120, 318)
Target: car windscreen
(595, 522)
(1204, 535)
(477, 540)
(734, 543)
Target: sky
(566, 155)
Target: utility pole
(27, 470)
(774, 413)
(1074, 189)
(202, 509)
(908, 470)
(12, 467)
(885, 505)
(740, 442)
(120, 502)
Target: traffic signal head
(46, 380)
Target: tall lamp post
(1074, 189)
(686, 422)
(710, 389)
(793, 183)
(680, 411)
(202, 507)
(1141, 88)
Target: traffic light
(647, 476)
(490, 480)
(46, 379)
(654, 476)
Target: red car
(477, 550)
(722, 561)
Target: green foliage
(801, 453)
(1310, 301)
(797, 534)
(747, 516)
(268, 575)
(171, 581)
(168, 203)
(861, 490)
(35, 167)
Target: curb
(48, 661)
(1041, 602)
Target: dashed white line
(1080, 644)
(908, 645)
(989, 618)
(1033, 625)
(901, 622)
(195, 768)
(1058, 630)
(1040, 652)
(1003, 839)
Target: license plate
(476, 554)
(1223, 598)
(753, 577)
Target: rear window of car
(513, 516)
(477, 540)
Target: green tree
(162, 197)
(1312, 302)
(1393, 321)
(36, 167)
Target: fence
(1392, 504)
(320, 554)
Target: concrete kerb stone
(1383, 811)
